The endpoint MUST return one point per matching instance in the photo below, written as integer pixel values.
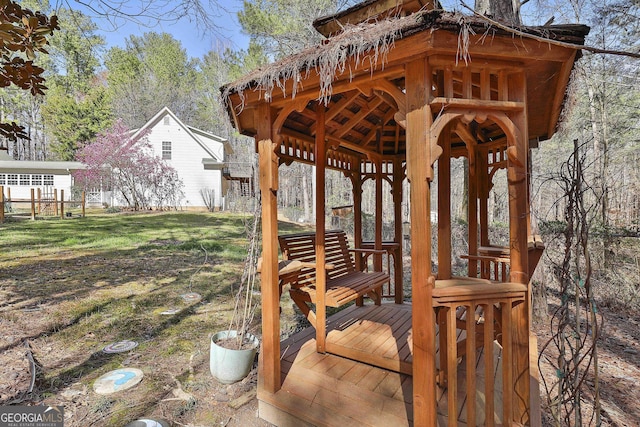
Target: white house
(18, 177)
(196, 155)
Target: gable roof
(190, 130)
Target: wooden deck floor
(330, 390)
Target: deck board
(330, 390)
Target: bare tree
(507, 11)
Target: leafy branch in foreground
(23, 33)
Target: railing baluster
(471, 364)
(452, 367)
(507, 362)
(488, 365)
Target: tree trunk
(305, 197)
(463, 213)
(540, 304)
(507, 11)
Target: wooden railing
(494, 268)
(494, 261)
(392, 260)
(489, 315)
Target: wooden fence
(41, 203)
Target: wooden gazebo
(388, 99)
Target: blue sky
(196, 41)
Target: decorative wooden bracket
(298, 104)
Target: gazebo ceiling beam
(359, 116)
(465, 133)
(387, 98)
(337, 108)
(369, 137)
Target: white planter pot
(227, 365)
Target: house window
(12, 179)
(3, 179)
(48, 180)
(167, 121)
(166, 150)
(36, 179)
(25, 179)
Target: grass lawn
(70, 287)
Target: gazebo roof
(370, 10)
(363, 117)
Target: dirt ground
(619, 371)
(181, 389)
(216, 404)
(187, 396)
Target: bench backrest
(302, 247)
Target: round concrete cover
(118, 380)
(120, 346)
(191, 297)
(148, 422)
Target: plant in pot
(233, 351)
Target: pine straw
(367, 45)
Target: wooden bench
(494, 260)
(343, 282)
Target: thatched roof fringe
(370, 42)
(365, 43)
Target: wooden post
(61, 204)
(83, 203)
(519, 262)
(268, 170)
(39, 200)
(55, 202)
(398, 177)
(419, 119)
(33, 204)
(444, 207)
(320, 156)
(1, 204)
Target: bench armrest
(368, 251)
(282, 264)
(327, 266)
(486, 258)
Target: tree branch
(553, 42)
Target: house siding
(186, 158)
(62, 180)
